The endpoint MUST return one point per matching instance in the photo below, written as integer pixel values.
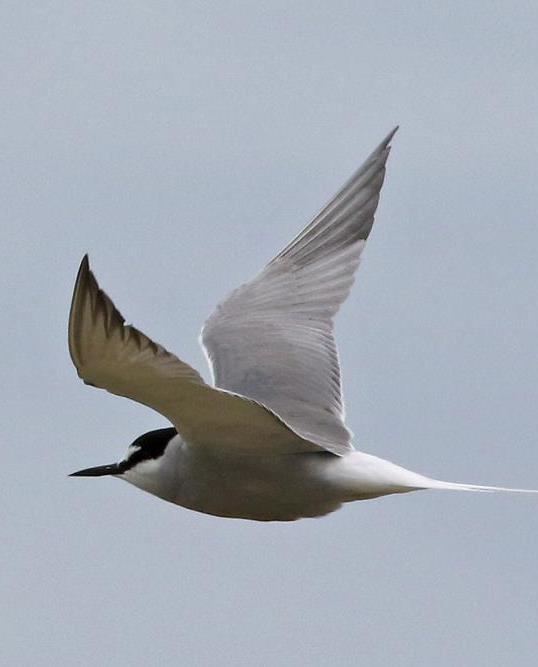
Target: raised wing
(114, 356)
(272, 339)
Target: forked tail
(370, 476)
(454, 486)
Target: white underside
(275, 488)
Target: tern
(267, 440)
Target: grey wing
(112, 355)
(272, 339)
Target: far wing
(114, 356)
(272, 339)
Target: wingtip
(382, 151)
(83, 269)
(386, 141)
(81, 283)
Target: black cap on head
(151, 445)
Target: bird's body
(268, 441)
(270, 487)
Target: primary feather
(272, 339)
(112, 355)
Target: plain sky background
(182, 144)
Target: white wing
(119, 358)
(272, 339)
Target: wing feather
(112, 355)
(272, 339)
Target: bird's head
(141, 464)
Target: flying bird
(267, 441)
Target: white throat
(158, 476)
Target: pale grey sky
(182, 144)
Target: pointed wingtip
(386, 141)
(84, 272)
(84, 276)
(83, 269)
(381, 152)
